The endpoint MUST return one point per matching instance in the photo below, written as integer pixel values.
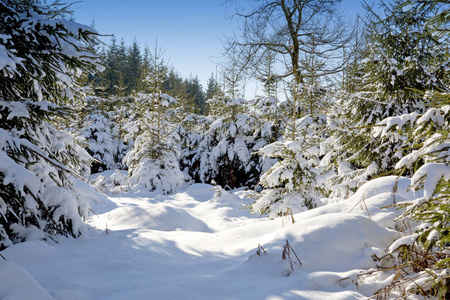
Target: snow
(5, 61)
(433, 172)
(17, 109)
(16, 278)
(200, 244)
(403, 241)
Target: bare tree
(292, 29)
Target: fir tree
(213, 88)
(267, 74)
(133, 68)
(153, 162)
(42, 55)
(427, 162)
(194, 90)
(403, 59)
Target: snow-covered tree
(295, 182)
(222, 150)
(41, 56)
(428, 237)
(153, 161)
(422, 252)
(403, 60)
(102, 133)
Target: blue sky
(188, 30)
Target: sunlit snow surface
(201, 244)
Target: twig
(259, 250)
(287, 255)
(359, 202)
(298, 259)
(286, 216)
(394, 191)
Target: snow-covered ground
(201, 244)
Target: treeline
(127, 69)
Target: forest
(352, 125)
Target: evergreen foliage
(402, 60)
(222, 149)
(41, 55)
(104, 141)
(428, 163)
(213, 88)
(295, 182)
(153, 161)
(127, 70)
(389, 115)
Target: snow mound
(111, 182)
(30, 252)
(388, 184)
(332, 242)
(159, 216)
(223, 198)
(200, 192)
(18, 284)
(374, 199)
(86, 195)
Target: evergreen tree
(194, 90)
(232, 75)
(42, 53)
(213, 88)
(424, 256)
(152, 162)
(133, 68)
(429, 164)
(100, 126)
(403, 59)
(295, 181)
(267, 74)
(110, 77)
(173, 83)
(223, 151)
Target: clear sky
(188, 30)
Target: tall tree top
(287, 28)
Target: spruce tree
(213, 88)
(42, 55)
(152, 162)
(133, 68)
(424, 256)
(403, 60)
(194, 90)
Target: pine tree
(152, 162)
(403, 59)
(267, 74)
(213, 88)
(424, 257)
(42, 54)
(133, 68)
